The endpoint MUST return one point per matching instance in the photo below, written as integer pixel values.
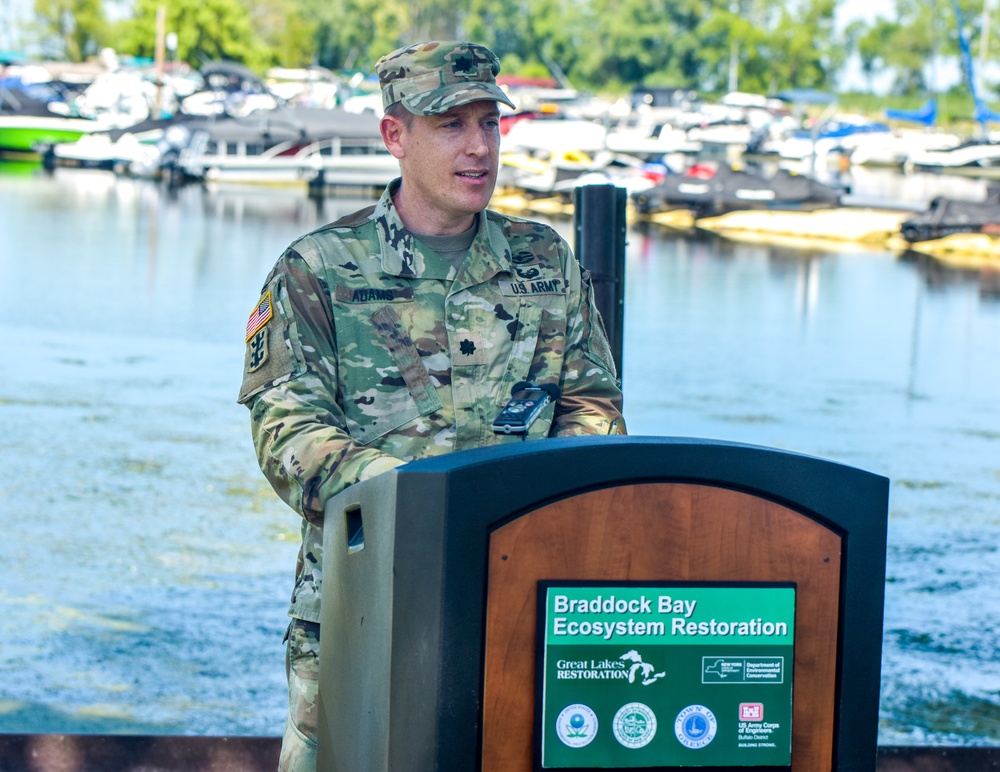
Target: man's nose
(479, 141)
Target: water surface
(146, 565)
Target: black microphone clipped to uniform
(527, 401)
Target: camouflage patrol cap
(431, 78)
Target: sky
(867, 10)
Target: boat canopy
(926, 115)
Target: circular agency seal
(695, 726)
(576, 725)
(634, 725)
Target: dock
(853, 226)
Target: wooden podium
(431, 571)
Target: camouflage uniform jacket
(369, 350)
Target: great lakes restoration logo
(576, 725)
(639, 667)
(695, 726)
(634, 725)
(628, 667)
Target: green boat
(26, 134)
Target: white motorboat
(968, 157)
(276, 147)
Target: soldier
(398, 332)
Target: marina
(744, 165)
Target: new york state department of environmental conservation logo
(634, 725)
(695, 726)
(576, 725)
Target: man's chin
(474, 204)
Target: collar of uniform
(492, 255)
(401, 254)
(397, 247)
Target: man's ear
(392, 130)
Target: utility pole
(161, 28)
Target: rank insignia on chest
(259, 316)
(468, 348)
(257, 350)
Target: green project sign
(664, 675)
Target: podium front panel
(654, 533)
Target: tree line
(610, 46)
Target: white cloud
(865, 10)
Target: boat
(24, 135)
(230, 89)
(979, 157)
(652, 143)
(948, 216)
(132, 114)
(113, 149)
(710, 189)
(896, 148)
(839, 133)
(312, 86)
(27, 123)
(541, 154)
(281, 146)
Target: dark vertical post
(599, 222)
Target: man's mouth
(472, 175)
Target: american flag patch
(259, 316)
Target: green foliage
(286, 31)
(353, 34)
(760, 46)
(80, 25)
(207, 30)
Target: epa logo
(751, 711)
(576, 725)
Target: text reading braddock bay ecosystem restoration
(680, 611)
(650, 675)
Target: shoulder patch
(260, 316)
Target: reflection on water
(147, 556)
